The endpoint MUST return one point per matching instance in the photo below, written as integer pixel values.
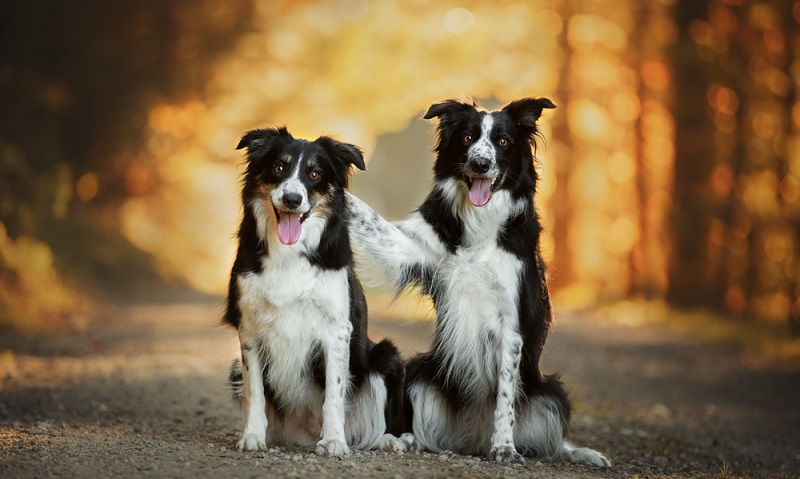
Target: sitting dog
(308, 375)
(473, 246)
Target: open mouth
(290, 225)
(480, 189)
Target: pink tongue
(481, 191)
(289, 228)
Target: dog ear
(349, 154)
(448, 109)
(448, 112)
(263, 139)
(526, 111)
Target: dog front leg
(337, 350)
(254, 436)
(503, 449)
(389, 247)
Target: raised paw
(506, 455)
(332, 448)
(590, 456)
(410, 442)
(252, 442)
(389, 443)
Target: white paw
(410, 442)
(584, 454)
(252, 442)
(506, 455)
(389, 443)
(332, 448)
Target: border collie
(473, 246)
(308, 374)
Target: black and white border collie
(308, 375)
(473, 246)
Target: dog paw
(590, 456)
(410, 443)
(252, 442)
(332, 448)
(506, 455)
(389, 443)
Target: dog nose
(292, 200)
(480, 165)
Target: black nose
(291, 200)
(480, 165)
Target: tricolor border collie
(308, 375)
(473, 246)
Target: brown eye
(467, 138)
(314, 175)
(502, 142)
(278, 169)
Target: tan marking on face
(322, 202)
(263, 191)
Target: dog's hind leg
(542, 423)
(376, 418)
(429, 420)
(540, 427)
(441, 423)
(584, 454)
(365, 427)
(385, 358)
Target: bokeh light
(670, 168)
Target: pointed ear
(448, 109)
(526, 111)
(263, 139)
(349, 154)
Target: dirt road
(144, 395)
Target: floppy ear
(448, 109)
(448, 112)
(349, 154)
(263, 139)
(526, 111)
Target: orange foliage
(360, 70)
(33, 296)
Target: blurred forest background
(670, 171)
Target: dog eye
(467, 138)
(314, 175)
(278, 169)
(502, 142)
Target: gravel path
(143, 395)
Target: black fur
(265, 149)
(520, 236)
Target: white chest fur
(287, 309)
(478, 290)
(478, 310)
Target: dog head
(486, 150)
(294, 178)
